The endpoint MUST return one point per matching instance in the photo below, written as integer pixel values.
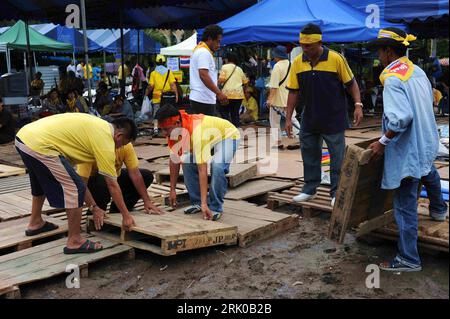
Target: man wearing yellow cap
(409, 143)
(319, 76)
(161, 80)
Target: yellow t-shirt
(119, 72)
(233, 88)
(252, 106)
(156, 80)
(85, 68)
(124, 155)
(211, 131)
(278, 73)
(204, 132)
(79, 137)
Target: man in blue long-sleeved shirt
(409, 143)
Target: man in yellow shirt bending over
(50, 147)
(191, 137)
(132, 180)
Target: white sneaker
(333, 200)
(302, 197)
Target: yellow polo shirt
(85, 71)
(119, 72)
(79, 137)
(124, 155)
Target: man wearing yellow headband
(409, 143)
(319, 77)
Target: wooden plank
(359, 196)
(256, 188)
(6, 170)
(149, 152)
(169, 234)
(48, 260)
(12, 233)
(375, 223)
(239, 173)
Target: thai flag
(185, 61)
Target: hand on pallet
(128, 222)
(207, 215)
(99, 215)
(150, 208)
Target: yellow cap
(160, 58)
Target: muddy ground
(301, 263)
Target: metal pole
(86, 55)
(139, 45)
(35, 63)
(8, 59)
(28, 54)
(122, 55)
(73, 57)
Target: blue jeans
(405, 211)
(311, 148)
(220, 165)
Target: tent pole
(139, 45)
(104, 60)
(35, 63)
(8, 59)
(122, 81)
(73, 57)
(27, 33)
(86, 55)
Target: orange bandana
(170, 121)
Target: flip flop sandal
(396, 266)
(87, 248)
(46, 228)
(216, 216)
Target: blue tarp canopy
(109, 40)
(174, 14)
(69, 35)
(427, 18)
(282, 20)
(405, 10)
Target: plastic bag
(146, 106)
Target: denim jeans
(311, 148)
(220, 165)
(406, 216)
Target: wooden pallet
(254, 223)
(13, 238)
(48, 260)
(359, 196)
(159, 193)
(14, 183)
(18, 204)
(239, 173)
(256, 188)
(166, 234)
(322, 203)
(7, 170)
(150, 152)
(431, 234)
(9, 155)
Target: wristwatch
(91, 208)
(359, 103)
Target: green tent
(16, 38)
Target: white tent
(184, 48)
